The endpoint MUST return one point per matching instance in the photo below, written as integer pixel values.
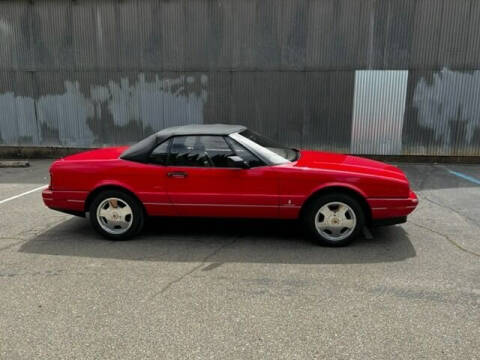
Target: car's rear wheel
(116, 215)
(334, 219)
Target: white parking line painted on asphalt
(23, 194)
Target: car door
(202, 182)
(151, 182)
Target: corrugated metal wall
(362, 76)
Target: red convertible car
(228, 171)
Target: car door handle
(177, 174)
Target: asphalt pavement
(241, 289)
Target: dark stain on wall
(33, 33)
(50, 135)
(329, 110)
(153, 50)
(107, 132)
(441, 114)
(295, 28)
(25, 140)
(412, 130)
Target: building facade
(392, 77)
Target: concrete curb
(14, 163)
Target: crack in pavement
(448, 238)
(426, 176)
(12, 245)
(29, 233)
(468, 220)
(195, 268)
(473, 222)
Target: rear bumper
(71, 202)
(392, 208)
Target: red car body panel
(277, 191)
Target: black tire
(137, 219)
(310, 213)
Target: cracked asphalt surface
(241, 289)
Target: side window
(188, 151)
(218, 150)
(159, 155)
(245, 154)
(200, 151)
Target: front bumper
(389, 221)
(393, 208)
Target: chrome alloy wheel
(335, 221)
(115, 216)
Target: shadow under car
(221, 241)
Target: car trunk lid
(98, 154)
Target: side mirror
(238, 162)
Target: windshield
(283, 151)
(265, 148)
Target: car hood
(347, 163)
(108, 153)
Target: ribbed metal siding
(18, 123)
(89, 73)
(378, 111)
(239, 35)
(97, 108)
(443, 113)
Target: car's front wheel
(116, 215)
(334, 219)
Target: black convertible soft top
(140, 151)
